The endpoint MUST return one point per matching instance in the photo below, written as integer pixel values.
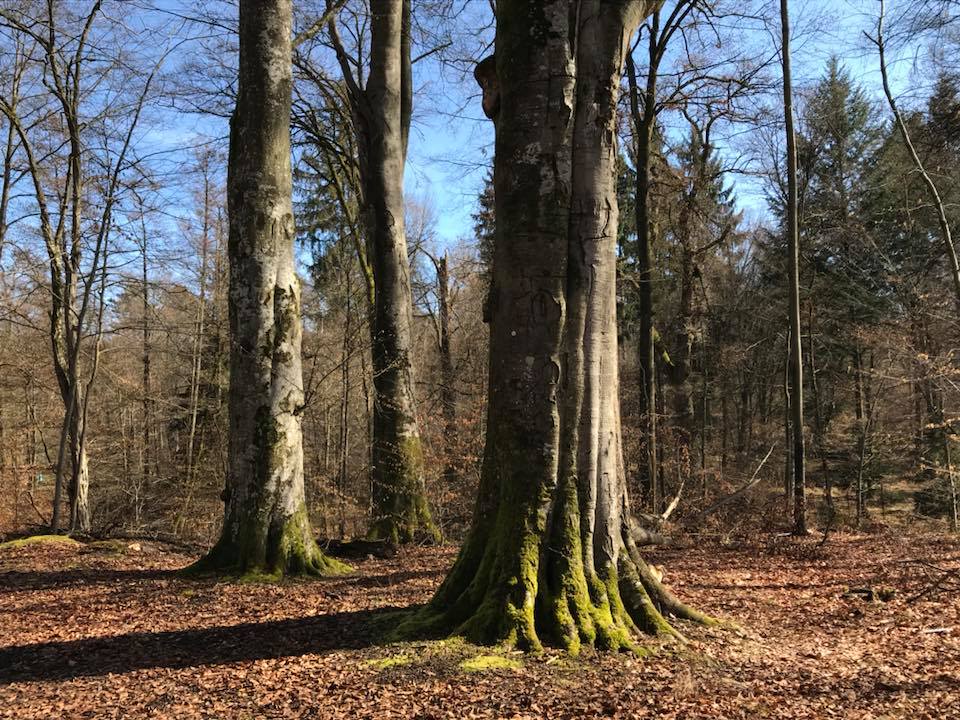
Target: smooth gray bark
(381, 116)
(266, 528)
(550, 555)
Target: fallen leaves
(105, 632)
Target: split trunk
(550, 557)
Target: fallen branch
(357, 549)
(642, 534)
(673, 503)
(726, 500)
(937, 585)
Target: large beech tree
(380, 110)
(551, 555)
(266, 528)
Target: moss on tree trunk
(287, 547)
(549, 558)
(266, 529)
(400, 508)
(401, 512)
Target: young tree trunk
(787, 457)
(796, 356)
(861, 417)
(196, 359)
(147, 400)
(952, 482)
(678, 373)
(266, 527)
(550, 557)
(819, 425)
(448, 397)
(643, 127)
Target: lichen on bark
(400, 508)
(549, 558)
(266, 529)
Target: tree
(934, 194)
(550, 555)
(381, 110)
(266, 528)
(58, 118)
(793, 249)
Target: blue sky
(450, 151)
(451, 142)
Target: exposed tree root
(537, 595)
(285, 550)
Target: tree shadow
(65, 660)
(392, 579)
(16, 580)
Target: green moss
(388, 662)
(482, 663)
(403, 514)
(114, 547)
(286, 550)
(38, 540)
(298, 552)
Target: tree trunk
(820, 429)
(147, 400)
(643, 128)
(549, 556)
(796, 356)
(448, 397)
(266, 528)
(952, 482)
(678, 373)
(381, 113)
(787, 456)
(196, 358)
(79, 490)
(861, 417)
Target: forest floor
(108, 630)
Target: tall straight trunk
(147, 401)
(644, 124)
(705, 412)
(861, 417)
(381, 113)
(793, 250)
(820, 429)
(400, 508)
(951, 483)
(266, 528)
(550, 555)
(196, 358)
(787, 455)
(448, 398)
(678, 372)
(343, 467)
(724, 430)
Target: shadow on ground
(219, 645)
(16, 581)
